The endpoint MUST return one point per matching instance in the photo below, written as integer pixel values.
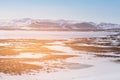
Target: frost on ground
(94, 58)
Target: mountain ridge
(46, 24)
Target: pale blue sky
(81, 10)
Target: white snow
(100, 68)
(26, 55)
(16, 34)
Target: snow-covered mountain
(37, 24)
(15, 22)
(108, 26)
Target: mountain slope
(38, 24)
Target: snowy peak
(28, 23)
(108, 26)
(84, 25)
(14, 22)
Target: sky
(80, 10)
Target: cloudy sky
(81, 10)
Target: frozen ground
(73, 57)
(50, 34)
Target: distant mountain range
(38, 24)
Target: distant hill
(38, 24)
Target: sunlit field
(59, 40)
(43, 58)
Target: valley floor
(82, 58)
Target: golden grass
(41, 50)
(17, 46)
(15, 67)
(93, 48)
(18, 67)
(48, 57)
(4, 52)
